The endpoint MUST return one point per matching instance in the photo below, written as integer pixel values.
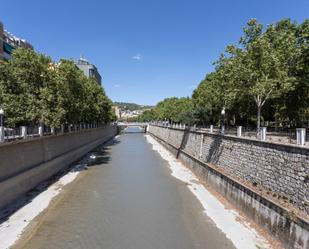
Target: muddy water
(127, 199)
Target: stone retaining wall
(231, 165)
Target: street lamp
(222, 120)
(1, 117)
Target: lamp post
(1, 117)
(1, 125)
(222, 120)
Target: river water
(127, 199)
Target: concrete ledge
(19, 156)
(292, 230)
(17, 185)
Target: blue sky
(145, 50)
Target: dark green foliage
(179, 110)
(34, 90)
(263, 79)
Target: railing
(12, 133)
(23, 132)
(281, 135)
(132, 124)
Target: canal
(127, 199)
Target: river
(127, 199)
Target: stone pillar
(52, 130)
(62, 128)
(23, 132)
(222, 129)
(239, 131)
(201, 145)
(41, 130)
(211, 129)
(2, 134)
(263, 133)
(301, 136)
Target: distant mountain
(131, 106)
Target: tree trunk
(258, 121)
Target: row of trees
(265, 77)
(180, 110)
(35, 90)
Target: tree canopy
(34, 89)
(178, 110)
(263, 78)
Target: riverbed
(130, 196)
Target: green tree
(24, 78)
(35, 90)
(262, 66)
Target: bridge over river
(137, 126)
(127, 198)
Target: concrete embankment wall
(255, 176)
(25, 163)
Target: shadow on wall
(95, 158)
(184, 141)
(215, 150)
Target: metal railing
(23, 132)
(274, 135)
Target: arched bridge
(124, 125)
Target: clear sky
(145, 50)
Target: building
(9, 42)
(89, 69)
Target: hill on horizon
(131, 106)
